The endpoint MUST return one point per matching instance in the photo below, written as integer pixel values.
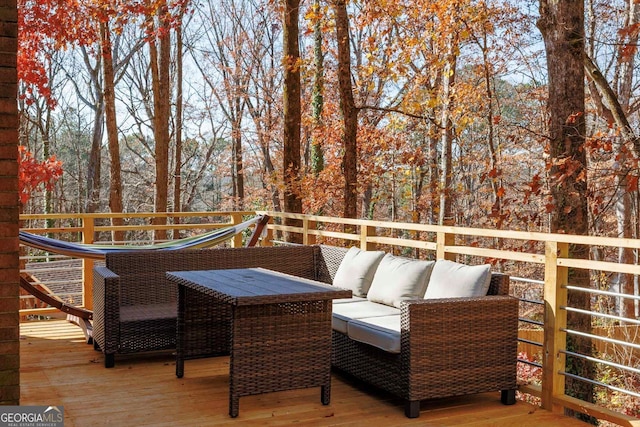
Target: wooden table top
(253, 286)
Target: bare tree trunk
(177, 172)
(115, 182)
(445, 214)
(349, 111)
(434, 178)
(236, 138)
(494, 173)
(160, 55)
(562, 26)
(94, 166)
(292, 113)
(317, 154)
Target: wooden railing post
(555, 319)
(237, 239)
(88, 230)
(309, 239)
(366, 231)
(268, 239)
(442, 240)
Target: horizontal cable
(600, 292)
(601, 338)
(529, 362)
(539, 344)
(604, 362)
(532, 301)
(606, 316)
(532, 322)
(526, 280)
(598, 383)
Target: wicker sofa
(447, 346)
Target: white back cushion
(398, 279)
(451, 280)
(356, 270)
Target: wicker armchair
(135, 307)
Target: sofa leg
(412, 408)
(109, 360)
(508, 397)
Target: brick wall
(9, 271)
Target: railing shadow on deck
(537, 262)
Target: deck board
(59, 368)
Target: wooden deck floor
(58, 368)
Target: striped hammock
(88, 251)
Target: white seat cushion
(382, 332)
(398, 279)
(356, 270)
(342, 313)
(451, 280)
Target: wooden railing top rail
(529, 248)
(463, 231)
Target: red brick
(9, 289)
(8, 91)
(8, 183)
(8, 334)
(8, 29)
(8, 320)
(9, 347)
(10, 395)
(9, 261)
(9, 245)
(9, 275)
(7, 46)
(9, 214)
(8, 167)
(8, 139)
(11, 377)
(8, 60)
(9, 121)
(7, 105)
(9, 229)
(8, 199)
(10, 5)
(8, 361)
(9, 305)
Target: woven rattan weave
(280, 328)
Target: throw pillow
(356, 270)
(451, 279)
(398, 279)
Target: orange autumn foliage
(34, 174)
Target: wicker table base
(280, 329)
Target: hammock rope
(98, 252)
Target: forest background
(183, 105)
(509, 114)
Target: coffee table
(279, 328)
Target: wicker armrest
(461, 340)
(106, 307)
